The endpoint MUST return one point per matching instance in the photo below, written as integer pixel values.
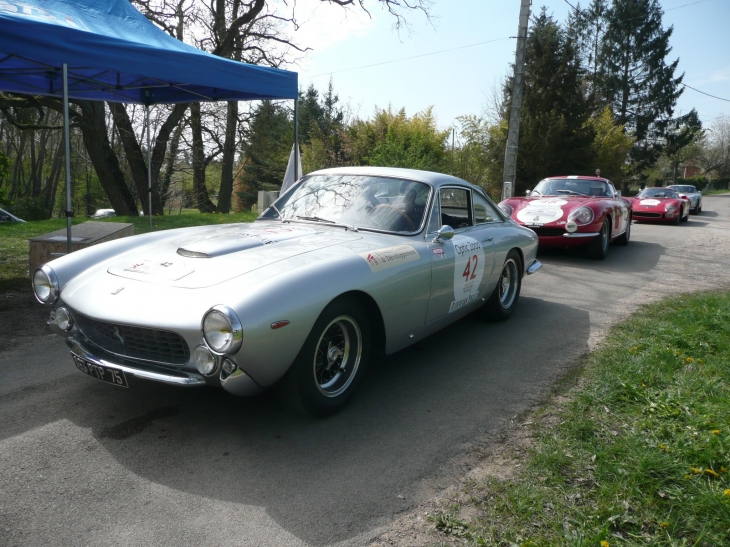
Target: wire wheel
(337, 356)
(508, 283)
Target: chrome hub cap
(508, 283)
(337, 356)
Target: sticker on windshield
(468, 271)
(649, 202)
(542, 211)
(382, 259)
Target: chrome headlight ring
(582, 215)
(222, 330)
(670, 208)
(45, 285)
(506, 209)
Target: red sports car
(661, 205)
(572, 211)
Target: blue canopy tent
(106, 50)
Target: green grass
(14, 246)
(715, 192)
(642, 446)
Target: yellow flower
(715, 431)
(727, 492)
(722, 468)
(688, 360)
(664, 525)
(711, 473)
(662, 447)
(605, 543)
(686, 476)
(643, 385)
(695, 470)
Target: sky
(345, 43)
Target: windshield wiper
(328, 221)
(571, 192)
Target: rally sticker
(382, 259)
(438, 253)
(166, 269)
(650, 202)
(468, 271)
(542, 211)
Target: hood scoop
(218, 246)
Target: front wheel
(504, 299)
(598, 248)
(332, 360)
(686, 217)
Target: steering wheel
(385, 206)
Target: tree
(682, 133)
(634, 77)
(611, 145)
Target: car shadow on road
(327, 480)
(637, 256)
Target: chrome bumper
(533, 267)
(581, 234)
(100, 357)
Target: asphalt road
(85, 463)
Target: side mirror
(618, 193)
(445, 233)
(528, 192)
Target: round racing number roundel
(542, 211)
(468, 271)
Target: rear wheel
(504, 299)
(332, 360)
(598, 248)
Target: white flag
(289, 179)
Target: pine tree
(634, 77)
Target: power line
(698, 91)
(413, 57)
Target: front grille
(159, 346)
(548, 231)
(647, 215)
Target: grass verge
(639, 452)
(14, 245)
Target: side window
(484, 211)
(456, 207)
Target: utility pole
(518, 84)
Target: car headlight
(506, 209)
(581, 215)
(670, 208)
(222, 330)
(63, 319)
(45, 285)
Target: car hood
(206, 256)
(650, 203)
(545, 209)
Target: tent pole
(67, 146)
(149, 163)
(296, 140)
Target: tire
(598, 248)
(504, 299)
(699, 207)
(339, 338)
(624, 238)
(686, 217)
(678, 219)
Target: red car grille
(638, 214)
(160, 346)
(548, 231)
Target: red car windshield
(575, 187)
(657, 193)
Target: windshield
(657, 193)
(575, 187)
(684, 189)
(378, 203)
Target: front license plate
(100, 372)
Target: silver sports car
(694, 195)
(348, 264)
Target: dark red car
(661, 205)
(572, 211)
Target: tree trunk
(166, 177)
(96, 140)
(49, 192)
(200, 192)
(133, 152)
(229, 154)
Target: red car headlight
(581, 216)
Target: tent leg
(67, 146)
(149, 164)
(297, 174)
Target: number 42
(470, 273)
